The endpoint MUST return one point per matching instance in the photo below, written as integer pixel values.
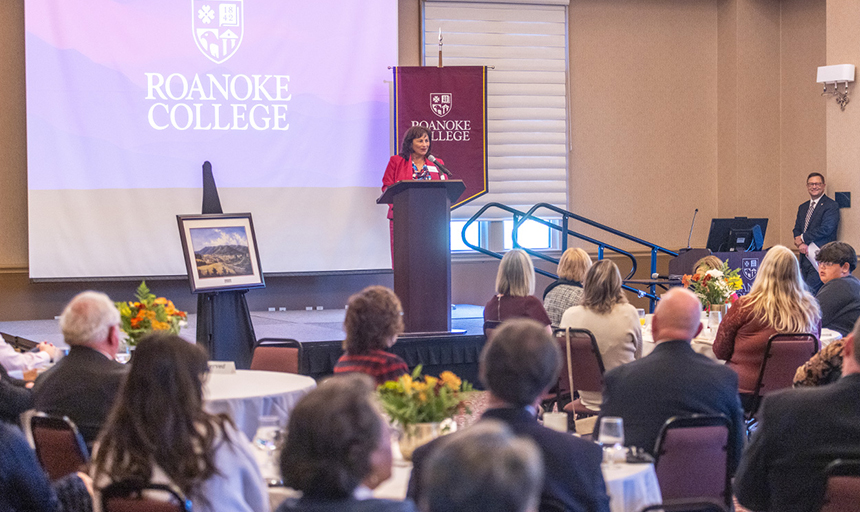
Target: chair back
(784, 354)
(697, 505)
(128, 496)
(842, 493)
(691, 458)
(277, 355)
(490, 327)
(585, 366)
(60, 448)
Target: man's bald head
(677, 317)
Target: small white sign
(222, 367)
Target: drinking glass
(123, 353)
(268, 439)
(714, 319)
(611, 438)
(641, 316)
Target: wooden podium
(422, 250)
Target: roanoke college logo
(440, 103)
(217, 27)
(750, 268)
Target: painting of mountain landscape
(220, 252)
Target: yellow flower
(160, 300)
(419, 386)
(160, 326)
(431, 381)
(422, 396)
(406, 380)
(451, 380)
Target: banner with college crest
(451, 102)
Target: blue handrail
(520, 217)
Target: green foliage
(411, 399)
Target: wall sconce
(840, 73)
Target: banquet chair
(129, 496)
(60, 448)
(784, 354)
(695, 505)
(561, 390)
(490, 327)
(692, 458)
(277, 355)
(842, 493)
(584, 366)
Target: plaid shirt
(379, 364)
(561, 297)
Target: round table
(248, 394)
(631, 487)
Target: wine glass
(611, 437)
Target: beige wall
(675, 105)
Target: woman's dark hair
(411, 134)
(332, 433)
(158, 418)
(374, 315)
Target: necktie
(808, 215)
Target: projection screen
(127, 98)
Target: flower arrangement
(410, 400)
(716, 286)
(149, 313)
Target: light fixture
(839, 73)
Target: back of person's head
(374, 317)
(332, 435)
(839, 253)
(678, 316)
(516, 276)
(158, 417)
(574, 264)
(483, 468)
(709, 262)
(520, 362)
(602, 287)
(779, 296)
(87, 319)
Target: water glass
(123, 353)
(611, 438)
(714, 319)
(268, 437)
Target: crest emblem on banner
(217, 27)
(749, 268)
(440, 103)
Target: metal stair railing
(520, 217)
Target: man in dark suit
(517, 366)
(673, 380)
(800, 431)
(83, 384)
(817, 220)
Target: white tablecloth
(247, 394)
(631, 487)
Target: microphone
(441, 167)
(691, 227)
(670, 277)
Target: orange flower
(160, 300)
(451, 380)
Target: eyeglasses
(814, 185)
(827, 264)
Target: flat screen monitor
(738, 234)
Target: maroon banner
(451, 102)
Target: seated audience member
(158, 432)
(519, 364)
(515, 286)
(374, 318)
(839, 297)
(338, 449)
(822, 368)
(673, 380)
(483, 469)
(710, 262)
(24, 485)
(566, 292)
(83, 384)
(11, 359)
(15, 398)
(611, 319)
(777, 302)
(800, 431)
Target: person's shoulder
(561, 442)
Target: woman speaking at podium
(413, 163)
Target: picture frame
(220, 252)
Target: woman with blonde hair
(566, 292)
(515, 284)
(612, 320)
(777, 302)
(709, 262)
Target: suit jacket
(800, 431)
(347, 505)
(822, 225)
(82, 386)
(14, 397)
(572, 472)
(673, 380)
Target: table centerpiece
(149, 313)
(716, 287)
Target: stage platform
(321, 335)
